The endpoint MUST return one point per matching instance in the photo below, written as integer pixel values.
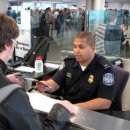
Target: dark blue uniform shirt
(96, 81)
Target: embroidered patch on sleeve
(108, 79)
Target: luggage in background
(117, 62)
(39, 48)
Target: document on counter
(41, 102)
(24, 69)
(37, 81)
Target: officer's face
(83, 52)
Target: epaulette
(104, 62)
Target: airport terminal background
(90, 15)
(77, 18)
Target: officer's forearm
(51, 89)
(53, 86)
(96, 104)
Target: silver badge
(61, 66)
(108, 79)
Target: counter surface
(85, 119)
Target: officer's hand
(14, 78)
(41, 86)
(69, 106)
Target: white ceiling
(118, 1)
(52, 1)
(69, 0)
(45, 0)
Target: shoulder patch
(108, 79)
(104, 62)
(106, 66)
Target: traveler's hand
(14, 78)
(69, 106)
(42, 86)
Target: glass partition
(66, 26)
(95, 18)
(111, 29)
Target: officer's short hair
(90, 37)
(8, 30)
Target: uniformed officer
(87, 79)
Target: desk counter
(91, 120)
(84, 119)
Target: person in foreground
(5, 56)
(16, 113)
(87, 79)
